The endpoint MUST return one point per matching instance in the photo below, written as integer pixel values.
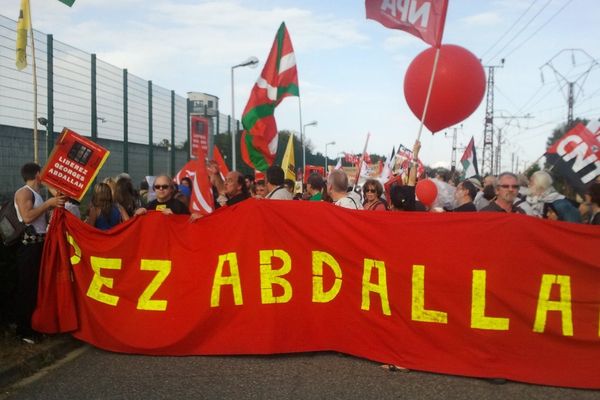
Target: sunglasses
(369, 190)
(161, 187)
(509, 186)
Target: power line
(509, 29)
(522, 29)
(540, 28)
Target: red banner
(486, 295)
(73, 164)
(424, 19)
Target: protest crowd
(115, 200)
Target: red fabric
(424, 19)
(201, 199)
(516, 252)
(218, 157)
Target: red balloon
(426, 191)
(458, 86)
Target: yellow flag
(23, 25)
(288, 164)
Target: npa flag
(576, 156)
(288, 162)
(469, 160)
(424, 19)
(23, 25)
(279, 79)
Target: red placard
(199, 135)
(73, 164)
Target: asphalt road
(89, 373)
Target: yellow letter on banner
(419, 313)
(380, 287)
(270, 277)
(478, 318)
(75, 258)
(95, 289)
(233, 280)
(319, 258)
(145, 302)
(563, 305)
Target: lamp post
(313, 123)
(326, 160)
(251, 62)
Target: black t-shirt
(237, 198)
(466, 207)
(174, 205)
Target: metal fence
(143, 125)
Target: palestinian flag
(279, 79)
(469, 160)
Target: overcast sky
(351, 70)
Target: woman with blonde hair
(104, 213)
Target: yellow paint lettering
(75, 258)
(419, 313)
(98, 281)
(270, 277)
(478, 318)
(145, 302)
(380, 287)
(233, 279)
(563, 305)
(320, 258)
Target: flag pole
(360, 161)
(35, 93)
(301, 137)
(435, 63)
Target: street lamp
(313, 123)
(326, 160)
(251, 62)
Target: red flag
(423, 18)
(218, 157)
(202, 200)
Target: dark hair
(316, 181)
(398, 196)
(125, 195)
(470, 188)
(29, 171)
(188, 180)
(489, 192)
(249, 177)
(275, 175)
(144, 185)
(290, 184)
(594, 192)
(241, 180)
(376, 184)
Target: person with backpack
(31, 210)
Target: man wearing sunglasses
(507, 189)
(164, 202)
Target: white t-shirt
(348, 202)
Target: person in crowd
(402, 197)
(126, 196)
(337, 186)
(464, 196)
(260, 189)
(31, 210)
(289, 185)
(506, 193)
(275, 179)
(594, 196)
(111, 182)
(183, 194)
(372, 193)
(541, 192)
(249, 181)
(164, 202)
(445, 197)
(104, 213)
(186, 181)
(144, 188)
(235, 188)
(315, 185)
(487, 194)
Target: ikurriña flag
(424, 19)
(279, 79)
(469, 160)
